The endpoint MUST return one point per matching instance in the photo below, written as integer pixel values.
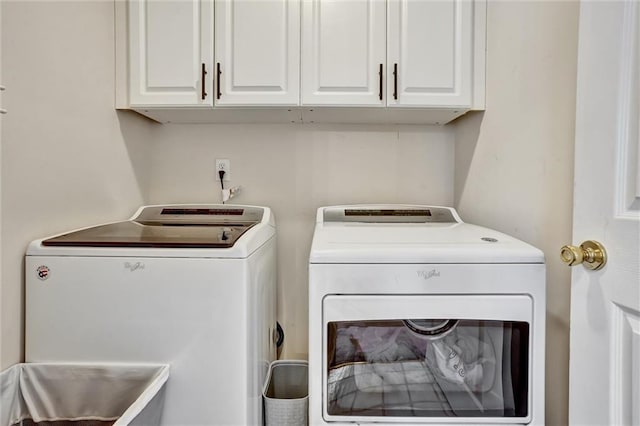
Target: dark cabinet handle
(395, 81)
(204, 73)
(219, 72)
(380, 74)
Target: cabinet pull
(204, 73)
(219, 71)
(380, 74)
(395, 81)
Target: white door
(171, 52)
(257, 52)
(343, 52)
(605, 304)
(430, 53)
(2, 112)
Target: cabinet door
(171, 48)
(430, 53)
(258, 52)
(343, 49)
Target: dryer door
(419, 358)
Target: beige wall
(65, 162)
(514, 162)
(295, 169)
(69, 160)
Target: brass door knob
(590, 253)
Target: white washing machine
(417, 317)
(192, 286)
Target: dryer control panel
(389, 214)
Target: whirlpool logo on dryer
(426, 275)
(133, 266)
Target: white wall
(65, 162)
(514, 162)
(295, 169)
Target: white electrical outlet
(223, 164)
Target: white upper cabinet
(398, 53)
(430, 53)
(257, 52)
(343, 52)
(396, 61)
(171, 52)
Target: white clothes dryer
(418, 317)
(192, 286)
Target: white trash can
(286, 394)
(87, 394)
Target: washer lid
(407, 234)
(168, 227)
(139, 234)
(236, 231)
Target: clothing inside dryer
(428, 368)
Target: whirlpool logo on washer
(426, 275)
(42, 272)
(133, 266)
